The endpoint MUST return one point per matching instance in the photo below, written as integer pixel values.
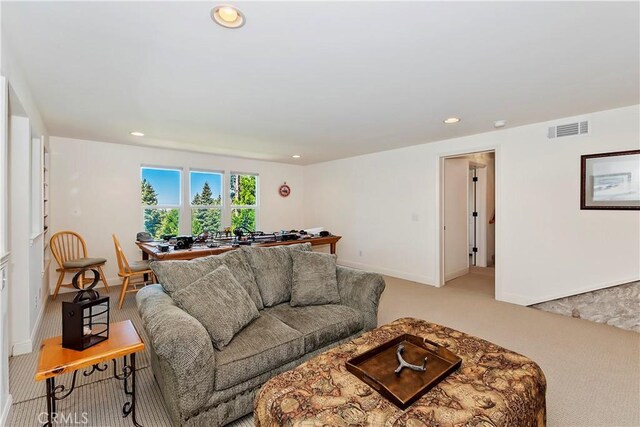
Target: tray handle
(428, 342)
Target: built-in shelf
(45, 200)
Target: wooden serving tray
(376, 368)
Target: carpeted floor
(592, 369)
(98, 396)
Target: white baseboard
(456, 274)
(6, 411)
(527, 300)
(22, 347)
(387, 272)
(26, 346)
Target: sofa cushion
(314, 279)
(319, 324)
(174, 275)
(220, 303)
(265, 344)
(273, 270)
(238, 263)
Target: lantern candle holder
(85, 320)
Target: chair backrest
(123, 264)
(67, 246)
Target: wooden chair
(127, 271)
(70, 251)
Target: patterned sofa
(203, 386)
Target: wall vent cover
(569, 129)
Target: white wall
(386, 205)
(95, 188)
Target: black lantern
(85, 320)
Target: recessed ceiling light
(136, 133)
(451, 120)
(227, 16)
(296, 156)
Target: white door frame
(439, 222)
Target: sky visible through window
(166, 184)
(199, 178)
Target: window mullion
(226, 202)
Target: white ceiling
(322, 79)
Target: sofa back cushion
(273, 270)
(175, 275)
(220, 303)
(314, 279)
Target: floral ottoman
(493, 387)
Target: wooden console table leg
(332, 248)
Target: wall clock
(284, 190)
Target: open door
(456, 232)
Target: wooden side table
(124, 341)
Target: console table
(55, 360)
(150, 249)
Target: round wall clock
(284, 190)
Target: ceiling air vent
(569, 129)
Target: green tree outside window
(243, 193)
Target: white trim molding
(26, 346)
(6, 411)
(388, 272)
(22, 347)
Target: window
(161, 201)
(244, 201)
(206, 202)
(203, 201)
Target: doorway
(468, 202)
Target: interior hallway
(480, 280)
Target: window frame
(220, 207)
(255, 207)
(185, 207)
(179, 206)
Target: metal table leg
(55, 393)
(128, 372)
(127, 375)
(51, 403)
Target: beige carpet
(592, 370)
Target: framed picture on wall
(610, 181)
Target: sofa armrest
(361, 290)
(182, 345)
